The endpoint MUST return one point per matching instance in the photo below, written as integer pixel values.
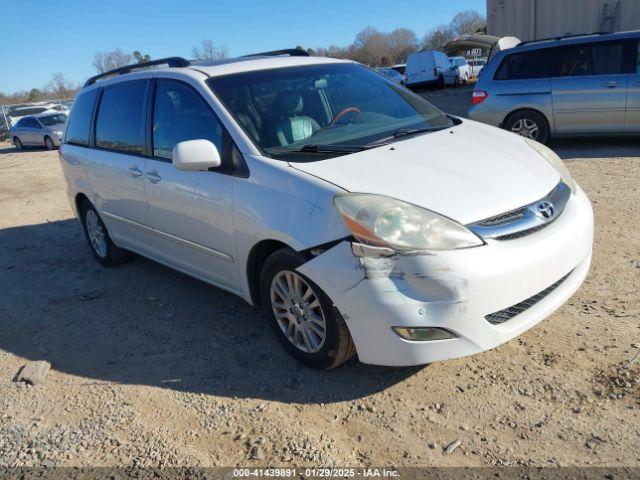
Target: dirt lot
(151, 367)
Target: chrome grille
(525, 220)
(503, 218)
(502, 316)
(522, 233)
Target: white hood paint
(468, 173)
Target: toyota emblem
(546, 210)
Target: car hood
(468, 172)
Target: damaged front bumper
(377, 289)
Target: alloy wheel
(526, 128)
(96, 233)
(297, 310)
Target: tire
(301, 319)
(18, 143)
(48, 143)
(529, 124)
(440, 83)
(456, 81)
(105, 251)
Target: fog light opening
(423, 334)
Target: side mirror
(195, 156)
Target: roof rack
(550, 39)
(292, 52)
(174, 62)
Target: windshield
(340, 108)
(49, 120)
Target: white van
(345, 205)
(426, 68)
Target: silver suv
(584, 84)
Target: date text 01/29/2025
(315, 472)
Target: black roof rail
(293, 52)
(174, 62)
(550, 39)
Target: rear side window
(589, 59)
(80, 118)
(120, 119)
(525, 65)
(180, 114)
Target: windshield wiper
(403, 132)
(318, 148)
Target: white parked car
(426, 69)
(342, 202)
(391, 74)
(476, 66)
(16, 113)
(458, 71)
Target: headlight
(387, 222)
(555, 161)
(58, 133)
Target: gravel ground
(151, 367)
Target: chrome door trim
(168, 236)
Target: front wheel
(304, 319)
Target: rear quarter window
(80, 119)
(524, 65)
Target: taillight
(479, 96)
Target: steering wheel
(343, 112)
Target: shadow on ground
(595, 147)
(142, 323)
(8, 148)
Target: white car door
(116, 166)
(191, 212)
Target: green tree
(140, 58)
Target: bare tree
(209, 51)
(402, 42)
(60, 87)
(438, 37)
(371, 48)
(105, 61)
(468, 21)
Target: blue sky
(63, 36)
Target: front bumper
(455, 289)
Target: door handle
(153, 177)
(135, 171)
(610, 84)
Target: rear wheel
(49, 143)
(304, 319)
(100, 243)
(529, 124)
(18, 143)
(440, 83)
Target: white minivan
(426, 69)
(342, 202)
